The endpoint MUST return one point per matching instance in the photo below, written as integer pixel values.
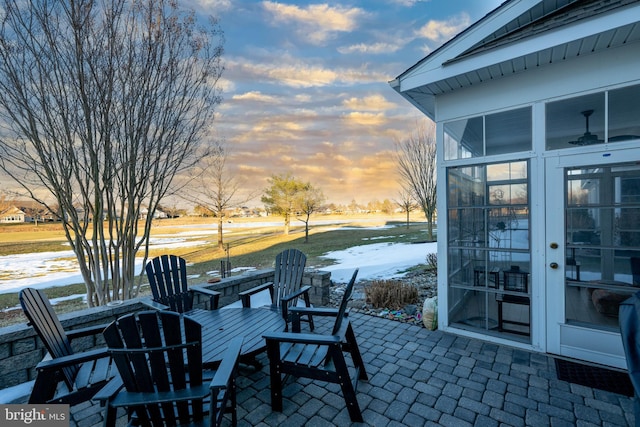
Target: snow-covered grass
(378, 260)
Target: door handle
(553, 265)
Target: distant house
(537, 112)
(14, 215)
(158, 214)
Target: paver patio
(418, 377)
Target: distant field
(252, 242)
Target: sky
(306, 90)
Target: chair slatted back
(289, 269)
(343, 304)
(38, 310)
(167, 276)
(159, 351)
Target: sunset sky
(306, 87)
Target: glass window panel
(509, 228)
(507, 171)
(466, 186)
(508, 132)
(463, 138)
(628, 227)
(466, 226)
(575, 122)
(486, 238)
(603, 240)
(624, 114)
(508, 194)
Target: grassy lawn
(248, 247)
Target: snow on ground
(378, 260)
(48, 269)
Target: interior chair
(285, 291)
(316, 356)
(83, 373)
(162, 382)
(515, 281)
(167, 276)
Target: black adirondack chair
(159, 357)
(319, 357)
(83, 373)
(286, 288)
(167, 276)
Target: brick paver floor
(427, 378)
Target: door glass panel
(602, 220)
(489, 249)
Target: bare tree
(406, 202)
(213, 189)
(416, 156)
(309, 201)
(102, 104)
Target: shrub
(432, 261)
(390, 294)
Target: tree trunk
(220, 240)
(287, 223)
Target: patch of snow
(378, 260)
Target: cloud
(374, 48)
(302, 73)
(286, 72)
(369, 103)
(315, 23)
(210, 5)
(368, 119)
(254, 96)
(441, 31)
(408, 3)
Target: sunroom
(537, 112)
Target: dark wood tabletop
(221, 326)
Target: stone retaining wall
(21, 349)
(319, 281)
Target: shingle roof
(542, 18)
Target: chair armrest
(107, 392)
(301, 291)
(315, 311)
(87, 331)
(214, 296)
(245, 296)
(228, 366)
(73, 359)
(154, 304)
(126, 398)
(297, 338)
(255, 290)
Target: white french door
(592, 235)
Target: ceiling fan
(588, 138)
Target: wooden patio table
(219, 327)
